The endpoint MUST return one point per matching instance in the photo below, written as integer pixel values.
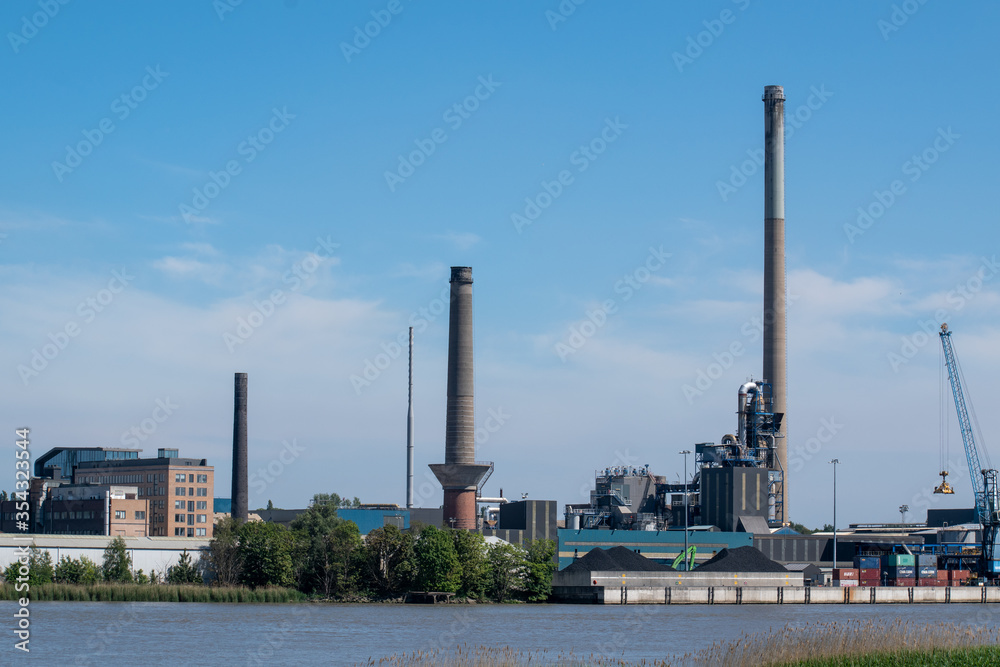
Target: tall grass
(840, 644)
(823, 641)
(106, 592)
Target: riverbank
(105, 592)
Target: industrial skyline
(608, 198)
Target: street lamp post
(684, 561)
(903, 509)
(835, 462)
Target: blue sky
(276, 124)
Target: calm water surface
(155, 633)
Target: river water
(157, 633)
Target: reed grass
(838, 644)
(107, 592)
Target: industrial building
(112, 492)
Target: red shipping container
(942, 575)
(844, 573)
(903, 582)
(842, 583)
(870, 573)
(869, 582)
(958, 575)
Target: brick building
(179, 490)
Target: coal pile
(740, 559)
(615, 559)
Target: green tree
(270, 505)
(335, 500)
(185, 572)
(507, 566)
(223, 561)
(539, 566)
(117, 562)
(39, 566)
(438, 567)
(141, 577)
(470, 547)
(388, 561)
(266, 554)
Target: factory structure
(736, 499)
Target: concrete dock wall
(688, 594)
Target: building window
(178, 504)
(202, 518)
(140, 515)
(179, 531)
(203, 504)
(203, 479)
(202, 491)
(180, 491)
(179, 518)
(190, 519)
(119, 514)
(191, 491)
(180, 477)
(191, 479)
(200, 532)
(190, 506)
(190, 532)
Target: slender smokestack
(775, 345)
(409, 432)
(241, 499)
(460, 436)
(460, 475)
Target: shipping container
(844, 573)
(925, 572)
(866, 562)
(958, 575)
(902, 572)
(903, 582)
(842, 583)
(942, 575)
(931, 582)
(896, 560)
(927, 560)
(870, 573)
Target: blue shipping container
(902, 572)
(925, 572)
(866, 562)
(927, 560)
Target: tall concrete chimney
(460, 474)
(775, 344)
(241, 500)
(409, 432)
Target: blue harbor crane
(984, 480)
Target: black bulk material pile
(740, 559)
(614, 560)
